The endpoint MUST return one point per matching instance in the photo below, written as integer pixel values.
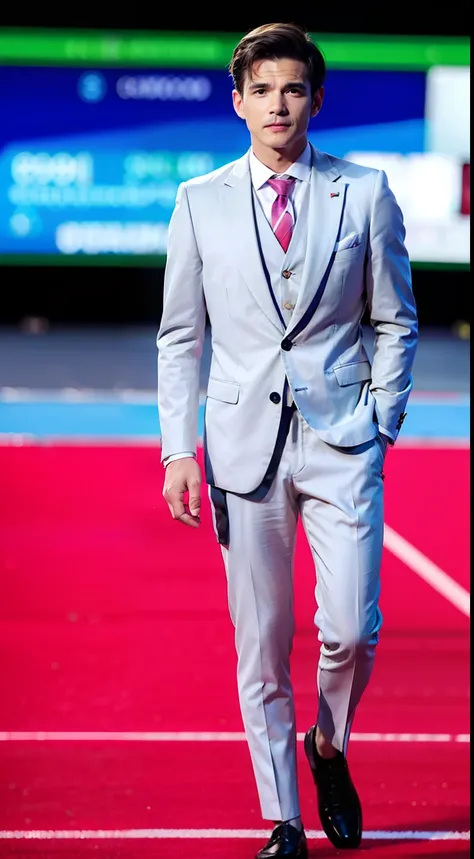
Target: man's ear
(318, 99)
(238, 104)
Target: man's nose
(278, 104)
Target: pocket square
(352, 240)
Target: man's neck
(278, 160)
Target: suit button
(288, 305)
(275, 398)
(287, 273)
(286, 345)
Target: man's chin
(278, 133)
(279, 141)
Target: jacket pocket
(349, 253)
(349, 374)
(350, 242)
(226, 392)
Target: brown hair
(272, 42)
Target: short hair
(272, 42)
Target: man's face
(277, 104)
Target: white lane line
(312, 834)
(427, 570)
(208, 737)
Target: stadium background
(111, 630)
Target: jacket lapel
(326, 205)
(237, 209)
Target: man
(284, 249)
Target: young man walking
(284, 248)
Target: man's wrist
(183, 455)
(386, 434)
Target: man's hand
(183, 476)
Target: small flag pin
(334, 194)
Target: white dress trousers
(338, 492)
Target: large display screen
(91, 155)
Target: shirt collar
(301, 169)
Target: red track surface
(237, 849)
(113, 617)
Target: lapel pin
(334, 194)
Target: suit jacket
(355, 255)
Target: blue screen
(90, 160)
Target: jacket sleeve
(392, 309)
(181, 334)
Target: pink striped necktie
(282, 222)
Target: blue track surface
(59, 419)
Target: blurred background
(112, 628)
(101, 123)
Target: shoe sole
(302, 852)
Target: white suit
(267, 463)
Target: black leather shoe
(285, 841)
(338, 804)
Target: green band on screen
(214, 50)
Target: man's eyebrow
(287, 85)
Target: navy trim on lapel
(326, 209)
(264, 265)
(313, 306)
(236, 198)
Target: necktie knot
(281, 186)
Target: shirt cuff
(174, 456)
(388, 434)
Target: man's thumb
(195, 502)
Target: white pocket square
(352, 240)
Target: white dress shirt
(300, 170)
